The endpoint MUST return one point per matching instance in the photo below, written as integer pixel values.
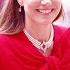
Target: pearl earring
(20, 9)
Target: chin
(45, 21)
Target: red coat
(18, 53)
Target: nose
(43, 2)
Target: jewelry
(44, 45)
(20, 8)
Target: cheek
(56, 2)
(30, 2)
(57, 5)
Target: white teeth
(44, 11)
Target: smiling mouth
(43, 11)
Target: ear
(20, 2)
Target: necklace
(43, 46)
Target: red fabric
(65, 50)
(18, 53)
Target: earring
(20, 8)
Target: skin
(37, 24)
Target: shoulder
(64, 44)
(9, 44)
(4, 39)
(66, 36)
(60, 44)
(59, 31)
(67, 33)
(7, 40)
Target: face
(41, 11)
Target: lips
(44, 11)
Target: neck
(40, 32)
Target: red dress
(18, 53)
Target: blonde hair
(11, 20)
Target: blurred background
(66, 7)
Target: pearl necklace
(41, 45)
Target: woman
(28, 38)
